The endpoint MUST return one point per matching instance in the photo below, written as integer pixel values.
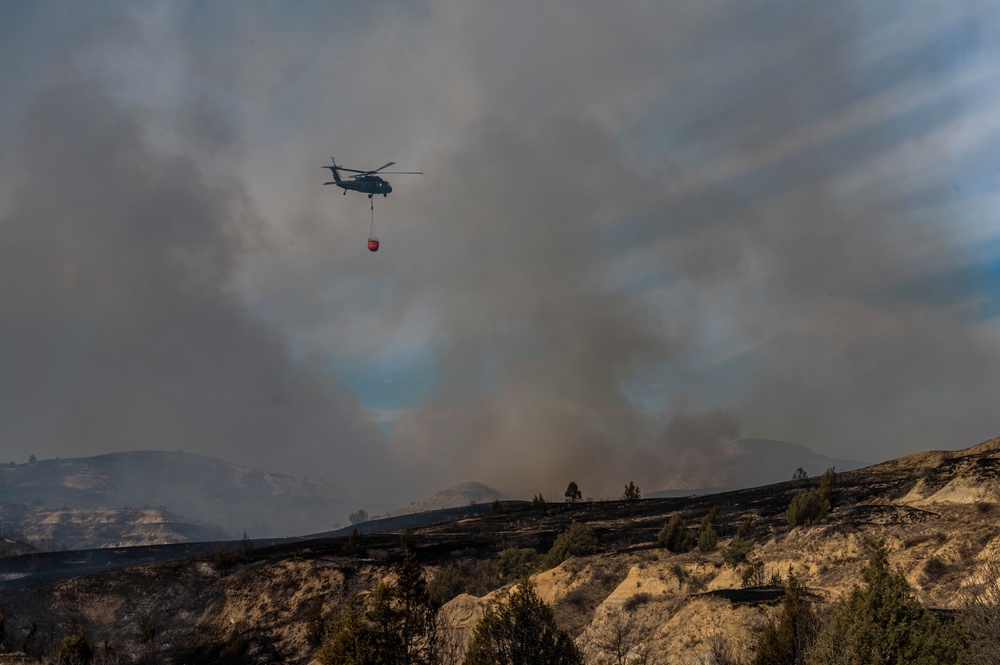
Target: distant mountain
(201, 490)
(453, 497)
(756, 462)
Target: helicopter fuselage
(369, 185)
(365, 182)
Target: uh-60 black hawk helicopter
(366, 182)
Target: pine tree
(399, 626)
(882, 622)
(708, 540)
(76, 649)
(741, 544)
(521, 630)
(787, 641)
(674, 535)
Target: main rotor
(362, 174)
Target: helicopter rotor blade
(382, 167)
(403, 172)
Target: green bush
(515, 564)
(76, 649)
(708, 540)
(675, 536)
(881, 621)
(814, 505)
(788, 640)
(741, 544)
(578, 540)
(399, 624)
(807, 507)
(757, 575)
(521, 630)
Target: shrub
(358, 516)
(707, 538)
(935, 568)
(807, 507)
(826, 484)
(740, 545)
(399, 625)
(882, 622)
(76, 649)
(521, 630)
(755, 575)
(538, 502)
(578, 540)
(675, 536)
(636, 600)
(515, 564)
(788, 640)
(632, 492)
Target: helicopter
(366, 182)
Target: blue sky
(642, 231)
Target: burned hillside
(267, 601)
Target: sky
(643, 230)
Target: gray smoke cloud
(642, 231)
(121, 328)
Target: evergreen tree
(521, 630)
(348, 638)
(577, 540)
(76, 649)
(708, 540)
(632, 492)
(674, 535)
(741, 544)
(787, 641)
(398, 628)
(807, 507)
(573, 493)
(882, 622)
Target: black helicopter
(365, 182)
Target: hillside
(937, 512)
(464, 494)
(754, 462)
(74, 529)
(185, 487)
